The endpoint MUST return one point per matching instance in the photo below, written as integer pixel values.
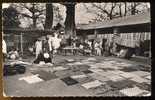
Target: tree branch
(103, 10)
(25, 15)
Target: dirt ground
(82, 76)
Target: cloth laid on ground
(147, 94)
(58, 68)
(45, 75)
(70, 64)
(87, 72)
(127, 74)
(139, 79)
(141, 73)
(79, 76)
(111, 94)
(77, 63)
(87, 62)
(125, 64)
(144, 86)
(80, 67)
(99, 77)
(135, 91)
(49, 64)
(92, 84)
(115, 78)
(97, 65)
(20, 62)
(105, 73)
(69, 81)
(100, 89)
(121, 84)
(112, 62)
(95, 70)
(13, 69)
(107, 69)
(91, 59)
(62, 73)
(116, 72)
(148, 77)
(31, 79)
(84, 80)
(128, 69)
(70, 60)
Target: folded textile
(79, 76)
(135, 91)
(92, 84)
(31, 79)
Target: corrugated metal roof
(122, 21)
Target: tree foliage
(10, 18)
(109, 11)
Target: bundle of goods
(13, 69)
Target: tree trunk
(34, 22)
(33, 16)
(49, 16)
(120, 10)
(70, 19)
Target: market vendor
(44, 55)
(13, 54)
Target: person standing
(47, 50)
(55, 43)
(4, 49)
(103, 45)
(38, 46)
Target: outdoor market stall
(132, 30)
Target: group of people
(91, 47)
(45, 49)
(100, 47)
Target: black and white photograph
(73, 49)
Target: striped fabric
(128, 39)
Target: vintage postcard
(70, 49)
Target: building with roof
(132, 30)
